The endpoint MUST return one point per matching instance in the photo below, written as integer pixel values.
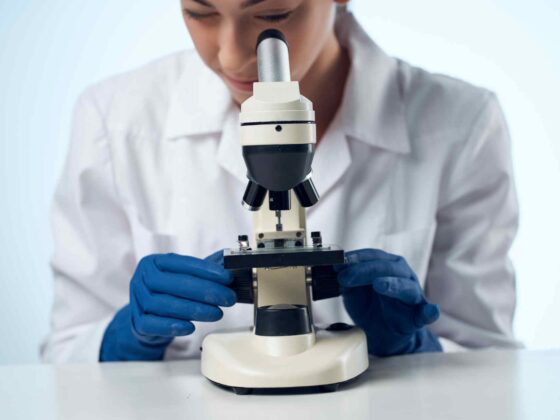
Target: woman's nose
(237, 54)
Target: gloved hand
(167, 292)
(383, 297)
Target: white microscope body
(284, 273)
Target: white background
(51, 50)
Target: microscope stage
(283, 257)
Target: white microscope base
(239, 359)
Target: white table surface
(474, 385)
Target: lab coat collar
(201, 105)
(200, 102)
(372, 108)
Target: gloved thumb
(428, 314)
(216, 258)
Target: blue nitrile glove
(167, 292)
(383, 297)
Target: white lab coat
(413, 163)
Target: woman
(413, 168)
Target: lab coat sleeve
(93, 257)
(470, 275)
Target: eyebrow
(244, 5)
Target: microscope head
(277, 132)
(278, 144)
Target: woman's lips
(240, 85)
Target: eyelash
(269, 18)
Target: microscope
(280, 271)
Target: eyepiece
(272, 57)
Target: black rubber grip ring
(270, 33)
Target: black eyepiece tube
(270, 33)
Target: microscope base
(239, 360)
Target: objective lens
(254, 196)
(306, 193)
(279, 200)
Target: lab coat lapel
(332, 158)
(371, 111)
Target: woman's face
(225, 32)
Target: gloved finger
(148, 325)
(426, 314)
(153, 325)
(402, 289)
(185, 264)
(192, 288)
(363, 273)
(173, 307)
(216, 258)
(363, 255)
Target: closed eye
(275, 18)
(197, 16)
(267, 18)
